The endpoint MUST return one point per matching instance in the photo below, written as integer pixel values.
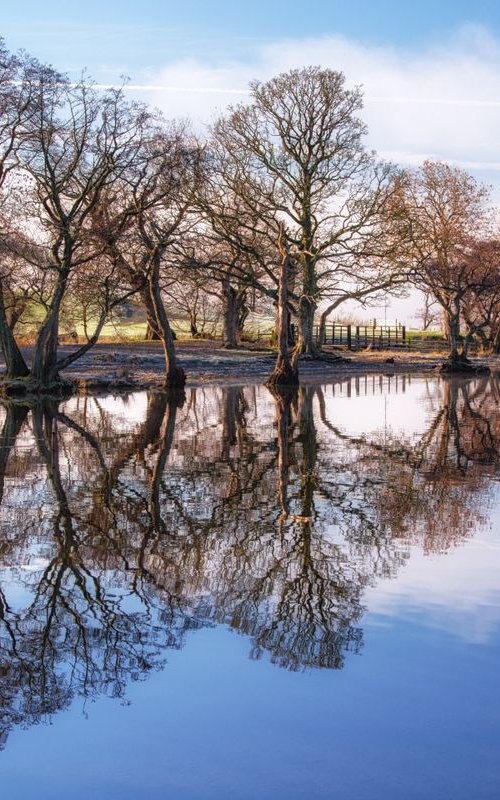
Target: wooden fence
(359, 337)
(380, 337)
(354, 337)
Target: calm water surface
(249, 597)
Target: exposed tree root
(329, 358)
(175, 379)
(58, 387)
(285, 374)
(463, 367)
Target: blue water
(411, 711)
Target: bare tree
(428, 314)
(296, 155)
(233, 253)
(190, 294)
(481, 306)
(143, 224)
(438, 214)
(20, 77)
(75, 145)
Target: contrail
(435, 101)
(156, 87)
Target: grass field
(424, 335)
(133, 329)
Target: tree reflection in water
(228, 506)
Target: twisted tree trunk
(44, 367)
(307, 344)
(233, 302)
(285, 372)
(151, 332)
(174, 374)
(15, 365)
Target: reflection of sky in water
(458, 593)
(382, 402)
(416, 715)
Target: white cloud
(457, 592)
(443, 102)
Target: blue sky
(112, 36)
(430, 71)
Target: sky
(430, 71)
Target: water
(247, 596)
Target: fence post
(357, 337)
(333, 333)
(349, 338)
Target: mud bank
(139, 365)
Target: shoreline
(138, 366)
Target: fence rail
(379, 337)
(360, 337)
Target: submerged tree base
(332, 358)
(175, 379)
(322, 355)
(59, 387)
(463, 367)
(285, 374)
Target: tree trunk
(307, 305)
(322, 332)
(446, 325)
(174, 374)
(44, 367)
(466, 344)
(457, 360)
(230, 308)
(151, 332)
(290, 326)
(15, 365)
(496, 341)
(45, 348)
(322, 323)
(453, 323)
(16, 313)
(285, 372)
(80, 351)
(243, 311)
(306, 344)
